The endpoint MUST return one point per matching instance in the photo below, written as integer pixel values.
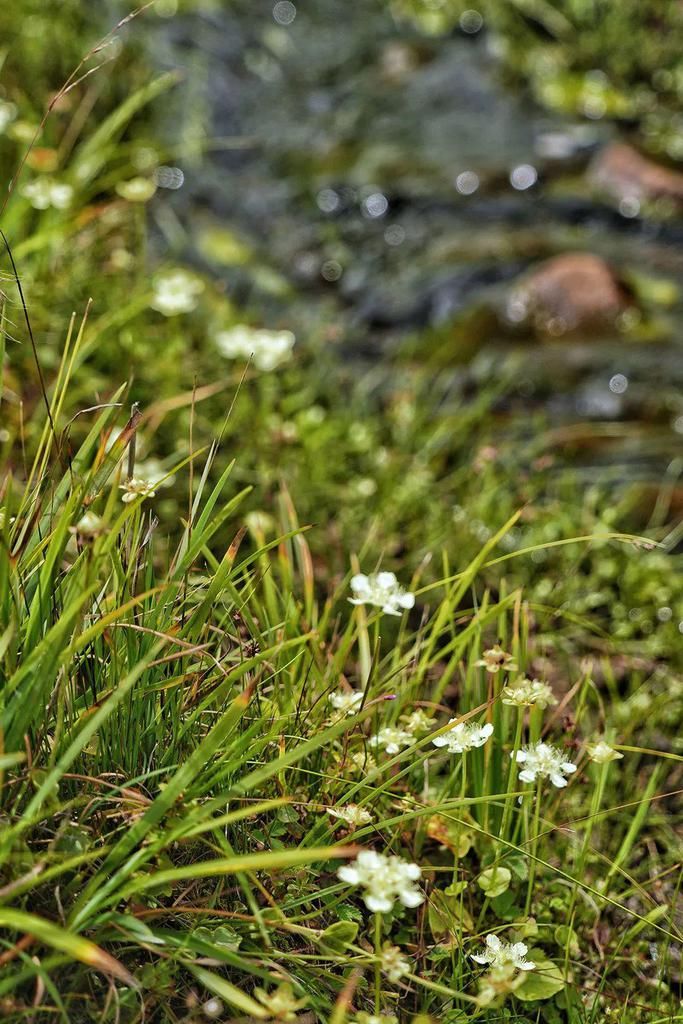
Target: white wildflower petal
(543, 761)
(352, 814)
(44, 192)
(346, 702)
(176, 292)
(392, 739)
(378, 904)
(495, 659)
(418, 721)
(504, 954)
(385, 880)
(393, 963)
(349, 874)
(266, 349)
(529, 693)
(382, 590)
(602, 753)
(464, 736)
(136, 487)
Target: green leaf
(269, 861)
(566, 938)
(494, 881)
(339, 935)
(543, 982)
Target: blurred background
(468, 216)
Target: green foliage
(590, 58)
(172, 770)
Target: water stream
(389, 189)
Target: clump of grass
(184, 766)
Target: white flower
(463, 737)
(382, 590)
(353, 815)
(500, 953)
(45, 192)
(346, 702)
(392, 739)
(135, 487)
(541, 760)
(418, 721)
(495, 659)
(602, 753)
(268, 349)
(385, 880)
(176, 292)
(527, 693)
(393, 963)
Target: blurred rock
(571, 292)
(629, 177)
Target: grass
(170, 754)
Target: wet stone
(571, 292)
(631, 178)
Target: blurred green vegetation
(588, 58)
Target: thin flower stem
(463, 788)
(534, 843)
(596, 800)
(507, 809)
(378, 964)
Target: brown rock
(624, 173)
(570, 292)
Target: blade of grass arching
(113, 871)
(635, 826)
(75, 946)
(481, 617)
(598, 895)
(3, 340)
(467, 577)
(233, 996)
(84, 639)
(90, 155)
(202, 613)
(186, 830)
(108, 459)
(271, 860)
